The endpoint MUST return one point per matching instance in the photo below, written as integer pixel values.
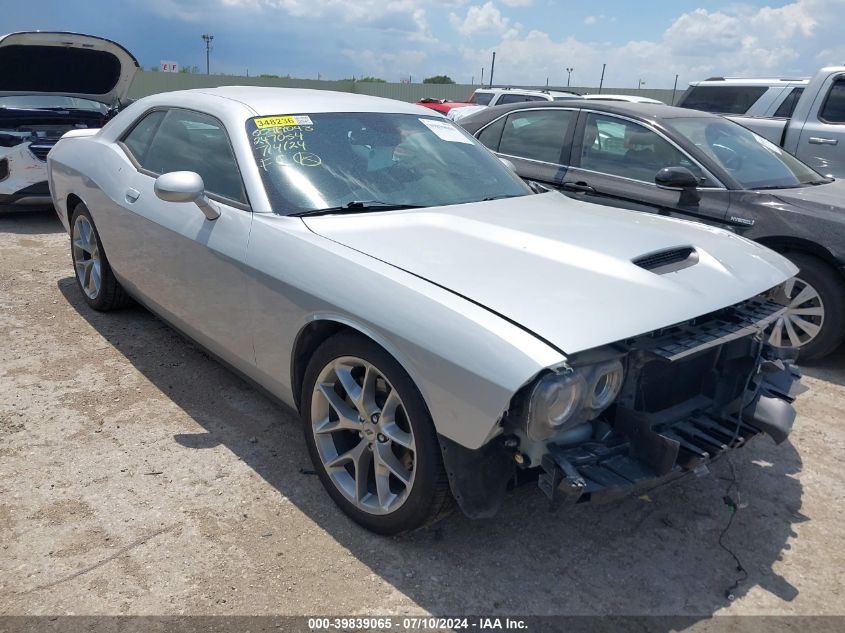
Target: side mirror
(676, 178)
(508, 164)
(185, 186)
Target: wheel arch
(318, 330)
(70, 204)
(784, 244)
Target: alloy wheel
(804, 316)
(86, 257)
(363, 435)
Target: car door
(822, 141)
(614, 161)
(190, 268)
(536, 141)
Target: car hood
(65, 64)
(562, 268)
(827, 198)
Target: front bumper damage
(649, 446)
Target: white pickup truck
(814, 130)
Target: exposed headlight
(605, 383)
(554, 400)
(562, 400)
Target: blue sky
(534, 39)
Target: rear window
(481, 98)
(722, 99)
(833, 110)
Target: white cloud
(518, 3)
(795, 39)
(484, 18)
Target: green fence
(148, 82)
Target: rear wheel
(94, 275)
(814, 321)
(371, 438)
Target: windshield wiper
(358, 206)
(509, 195)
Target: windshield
(51, 101)
(754, 162)
(329, 160)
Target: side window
(138, 139)
(722, 99)
(536, 134)
(514, 98)
(190, 141)
(481, 98)
(786, 108)
(624, 148)
(491, 135)
(833, 110)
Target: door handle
(818, 140)
(132, 195)
(578, 187)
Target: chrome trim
(530, 160)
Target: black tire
(111, 295)
(430, 498)
(830, 285)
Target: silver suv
(743, 96)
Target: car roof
(650, 111)
(750, 81)
(265, 101)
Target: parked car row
(443, 326)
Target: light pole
(640, 84)
(208, 39)
(568, 75)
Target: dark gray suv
(695, 166)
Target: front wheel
(814, 321)
(371, 438)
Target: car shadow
(654, 555)
(830, 368)
(30, 221)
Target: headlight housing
(562, 399)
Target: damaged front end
(630, 416)
(26, 137)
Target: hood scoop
(668, 260)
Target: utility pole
(482, 77)
(640, 84)
(568, 75)
(674, 89)
(601, 81)
(492, 67)
(208, 39)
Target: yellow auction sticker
(281, 121)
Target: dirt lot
(138, 476)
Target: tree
(438, 79)
(373, 80)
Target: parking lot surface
(139, 476)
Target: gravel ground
(138, 476)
